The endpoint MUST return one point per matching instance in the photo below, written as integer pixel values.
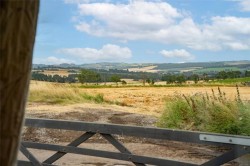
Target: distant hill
(195, 67)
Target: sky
(142, 31)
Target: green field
(231, 81)
(216, 69)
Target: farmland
(204, 74)
(144, 100)
(133, 105)
(141, 98)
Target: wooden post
(18, 21)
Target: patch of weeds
(201, 112)
(99, 98)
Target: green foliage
(247, 73)
(71, 78)
(99, 98)
(216, 69)
(180, 79)
(231, 81)
(150, 81)
(86, 76)
(205, 77)
(115, 78)
(201, 112)
(229, 74)
(169, 78)
(124, 82)
(195, 78)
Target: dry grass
(146, 100)
(149, 69)
(61, 72)
(56, 93)
(52, 92)
(152, 99)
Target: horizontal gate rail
(105, 154)
(239, 145)
(145, 132)
(27, 163)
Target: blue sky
(142, 31)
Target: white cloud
(76, 1)
(51, 60)
(244, 5)
(82, 1)
(177, 54)
(55, 60)
(108, 52)
(132, 21)
(160, 22)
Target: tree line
(71, 78)
(181, 78)
(85, 76)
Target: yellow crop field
(151, 99)
(145, 100)
(61, 72)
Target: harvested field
(149, 69)
(61, 72)
(150, 100)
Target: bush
(202, 112)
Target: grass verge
(201, 112)
(56, 93)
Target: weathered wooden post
(18, 21)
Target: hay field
(149, 69)
(61, 72)
(150, 100)
(144, 100)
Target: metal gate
(238, 145)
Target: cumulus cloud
(183, 54)
(51, 60)
(76, 1)
(131, 21)
(159, 21)
(82, 1)
(244, 5)
(108, 52)
(55, 60)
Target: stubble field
(142, 100)
(150, 100)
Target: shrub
(124, 82)
(202, 112)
